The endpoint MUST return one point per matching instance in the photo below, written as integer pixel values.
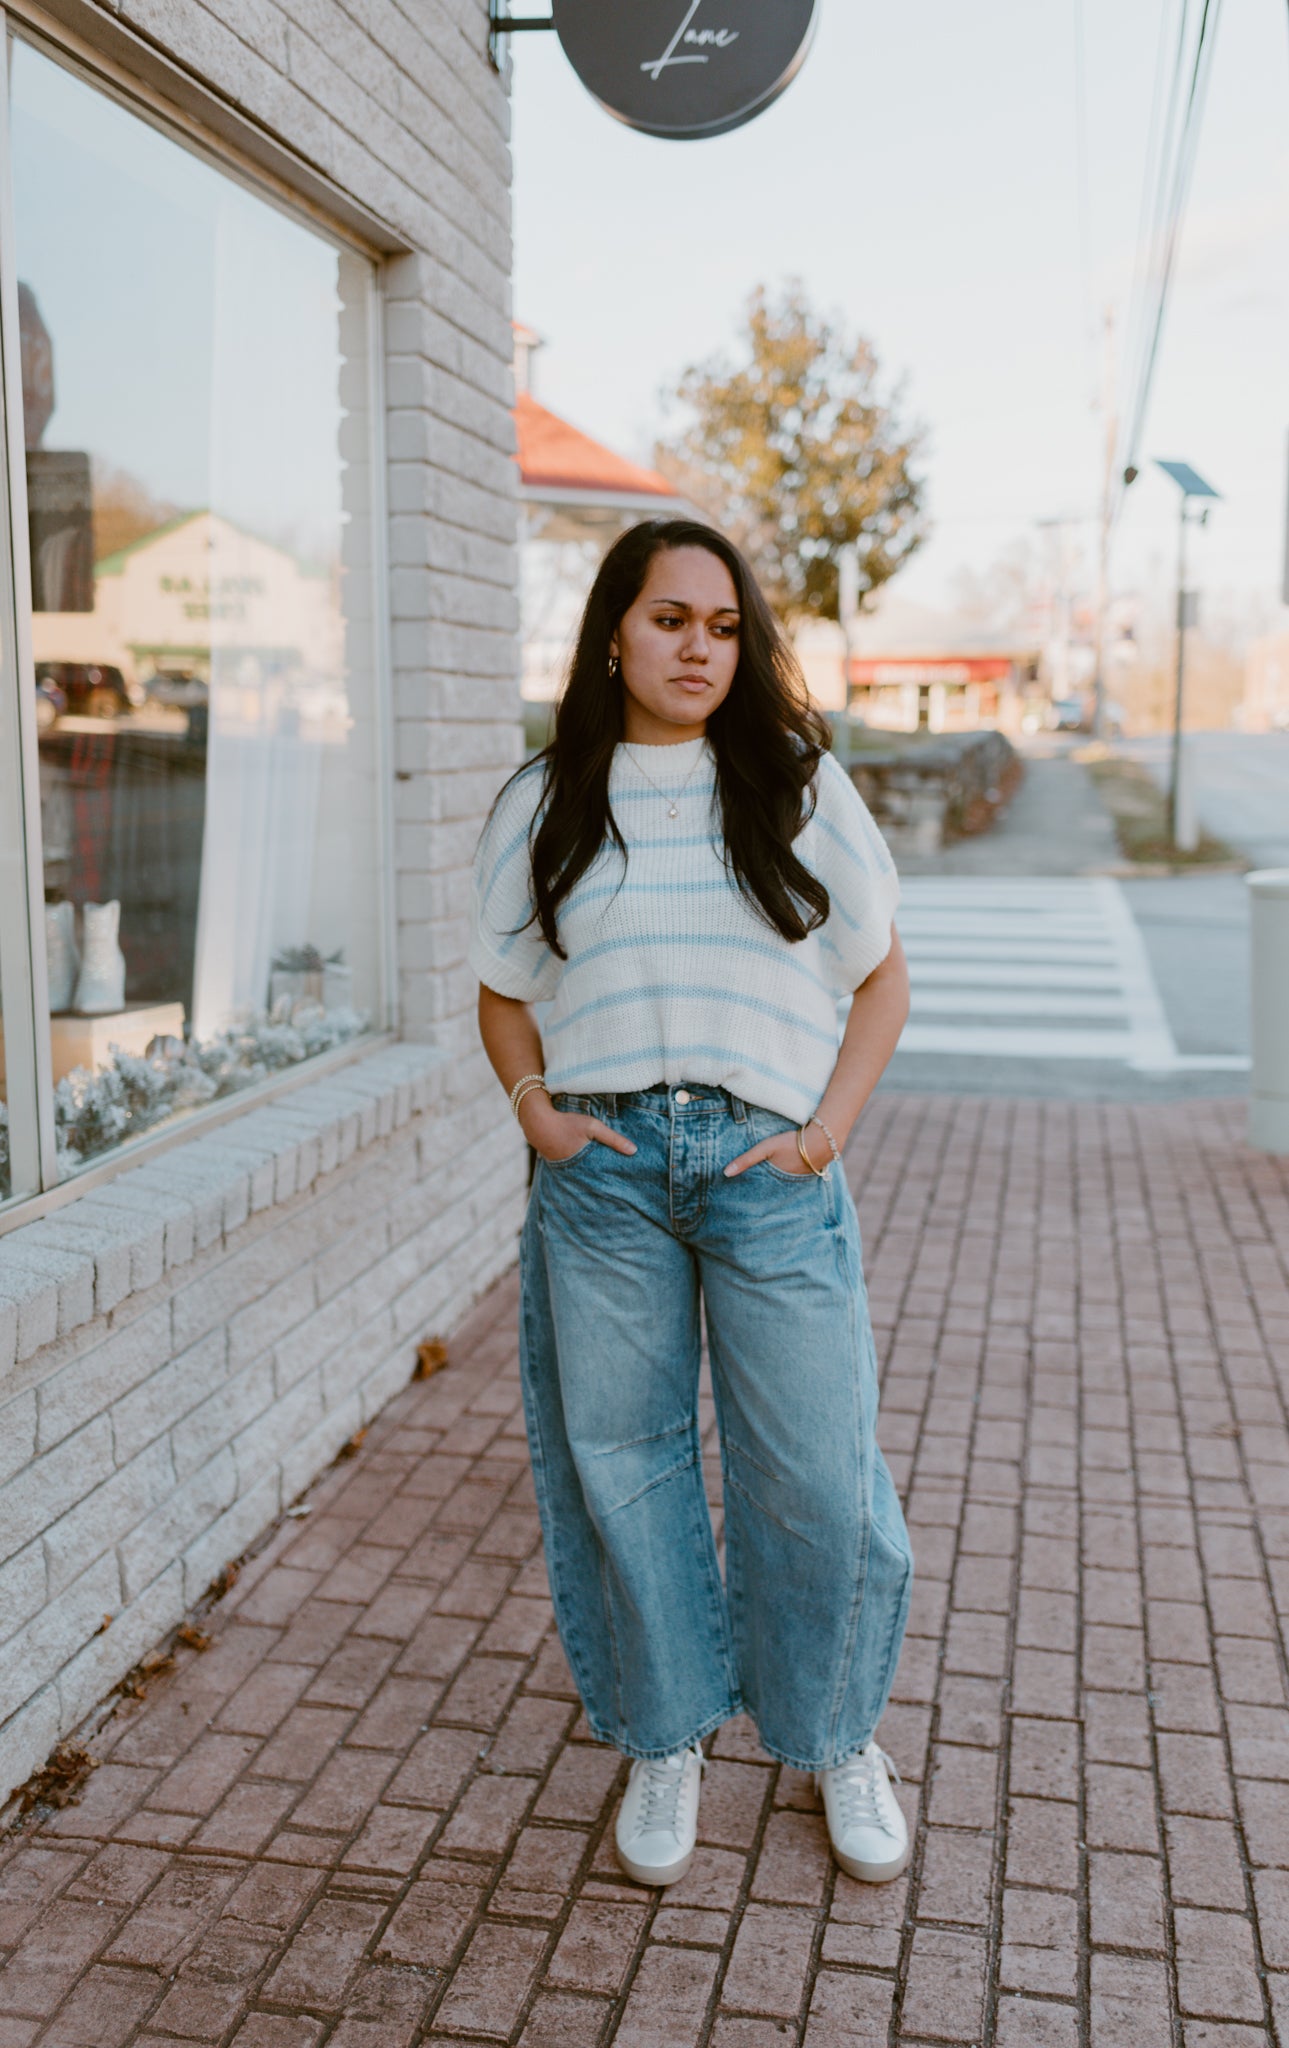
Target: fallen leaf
(191, 1637)
(431, 1357)
(352, 1448)
(61, 1779)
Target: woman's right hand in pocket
(556, 1134)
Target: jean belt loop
(737, 1106)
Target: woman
(693, 883)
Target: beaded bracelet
(521, 1082)
(535, 1086)
(832, 1142)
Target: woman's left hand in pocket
(782, 1151)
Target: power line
(1177, 187)
(1151, 188)
(1152, 230)
(1081, 168)
(1187, 147)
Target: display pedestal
(86, 1041)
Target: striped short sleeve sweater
(671, 974)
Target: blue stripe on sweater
(636, 796)
(659, 991)
(591, 892)
(635, 942)
(854, 853)
(496, 864)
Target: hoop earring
(614, 666)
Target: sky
(922, 176)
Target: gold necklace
(673, 809)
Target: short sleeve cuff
(510, 974)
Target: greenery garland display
(93, 1112)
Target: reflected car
(50, 704)
(178, 687)
(90, 689)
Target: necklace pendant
(672, 812)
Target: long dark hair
(766, 737)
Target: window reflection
(195, 382)
(6, 1174)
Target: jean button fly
(682, 1095)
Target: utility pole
(1061, 608)
(1103, 538)
(847, 614)
(1175, 770)
(1191, 485)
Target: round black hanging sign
(685, 68)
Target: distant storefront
(258, 686)
(944, 692)
(1266, 685)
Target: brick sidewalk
(368, 1816)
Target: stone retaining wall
(927, 794)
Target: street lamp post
(1191, 485)
(1062, 606)
(847, 614)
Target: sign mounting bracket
(502, 24)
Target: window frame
(24, 987)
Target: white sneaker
(658, 1820)
(869, 1835)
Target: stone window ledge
(62, 1270)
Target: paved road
(1055, 824)
(1241, 783)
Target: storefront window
(195, 396)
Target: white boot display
(101, 987)
(61, 957)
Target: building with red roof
(576, 496)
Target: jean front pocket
(571, 1158)
(768, 1124)
(783, 1173)
(580, 1105)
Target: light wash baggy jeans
(806, 1632)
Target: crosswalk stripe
(996, 1001)
(1030, 969)
(1082, 951)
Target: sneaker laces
(664, 1777)
(857, 1785)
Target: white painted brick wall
(184, 1349)
(143, 1450)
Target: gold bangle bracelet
(818, 1171)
